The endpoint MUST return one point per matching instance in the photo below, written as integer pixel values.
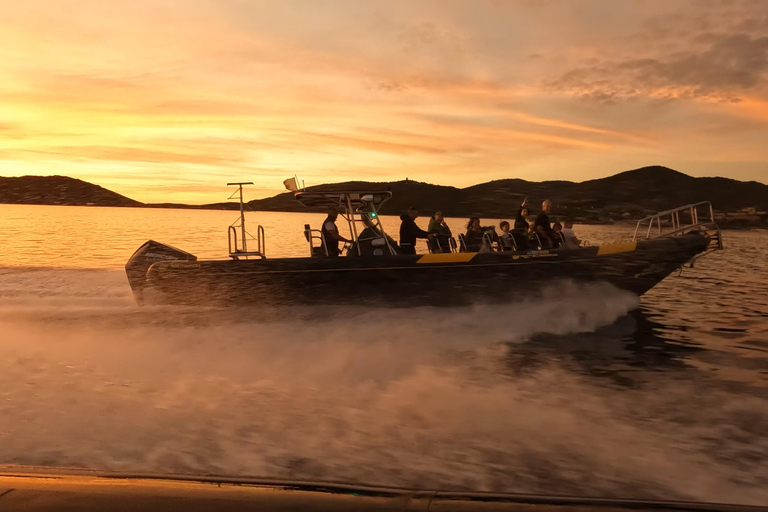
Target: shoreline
(724, 225)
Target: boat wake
(421, 397)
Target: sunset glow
(167, 101)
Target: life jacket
(331, 243)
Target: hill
(59, 190)
(630, 194)
(627, 195)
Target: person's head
(473, 224)
(504, 225)
(524, 212)
(557, 226)
(413, 212)
(568, 223)
(333, 213)
(439, 216)
(546, 206)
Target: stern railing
(240, 250)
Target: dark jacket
(543, 221)
(409, 231)
(435, 227)
(548, 239)
(521, 224)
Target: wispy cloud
(446, 91)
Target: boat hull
(433, 279)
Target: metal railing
(698, 217)
(315, 234)
(237, 251)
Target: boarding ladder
(698, 217)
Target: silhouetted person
(542, 226)
(521, 228)
(330, 233)
(442, 232)
(521, 223)
(365, 240)
(409, 231)
(473, 238)
(506, 238)
(557, 238)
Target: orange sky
(168, 100)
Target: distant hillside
(59, 190)
(630, 194)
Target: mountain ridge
(629, 194)
(636, 192)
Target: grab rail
(462, 243)
(232, 233)
(487, 242)
(538, 241)
(314, 234)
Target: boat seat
(315, 234)
(535, 238)
(462, 243)
(441, 244)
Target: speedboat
(374, 272)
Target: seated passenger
(438, 226)
(506, 240)
(557, 239)
(533, 237)
(366, 241)
(571, 242)
(473, 239)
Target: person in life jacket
(330, 232)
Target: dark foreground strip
(389, 492)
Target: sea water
(577, 388)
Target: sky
(167, 101)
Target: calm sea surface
(578, 389)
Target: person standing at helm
(409, 231)
(543, 227)
(330, 232)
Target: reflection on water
(576, 389)
(94, 237)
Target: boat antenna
(242, 212)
